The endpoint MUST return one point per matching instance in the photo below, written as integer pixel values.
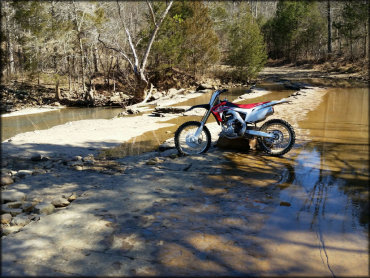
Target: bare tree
(136, 61)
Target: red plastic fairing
(217, 109)
(250, 105)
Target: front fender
(205, 106)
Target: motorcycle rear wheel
(284, 137)
(186, 144)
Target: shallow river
(323, 196)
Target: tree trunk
(329, 28)
(141, 85)
(95, 59)
(57, 90)
(82, 63)
(10, 49)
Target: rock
(6, 180)
(76, 163)
(172, 92)
(38, 172)
(6, 218)
(12, 211)
(39, 157)
(89, 159)
(133, 111)
(21, 220)
(56, 104)
(72, 197)
(156, 114)
(23, 173)
(12, 173)
(60, 202)
(116, 99)
(77, 158)
(285, 204)
(154, 161)
(44, 208)
(173, 156)
(122, 114)
(78, 168)
(124, 96)
(12, 195)
(10, 230)
(150, 162)
(14, 204)
(28, 206)
(205, 86)
(156, 96)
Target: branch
(151, 12)
(153, 37)
(129, 38)
(117, 50)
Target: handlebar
(223, 91)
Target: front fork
(202, 123)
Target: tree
(297, 28)
(137, 61)
(187, 39)
(329, 26)
(353, 24)
(246, 51)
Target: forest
(86, 48)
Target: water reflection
(327, 201)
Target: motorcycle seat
(250, 105)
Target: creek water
(11, 126)
(321, 189)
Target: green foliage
(186, 39)
(297, 28)
(352, 23)
(246, 49)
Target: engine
(231, 126)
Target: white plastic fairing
(257, 115)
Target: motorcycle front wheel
(187, 144)
(284, 137)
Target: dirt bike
(275, 137)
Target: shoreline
(32, 110)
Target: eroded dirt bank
(160, 214)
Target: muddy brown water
(11, 126)
(320, 189)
